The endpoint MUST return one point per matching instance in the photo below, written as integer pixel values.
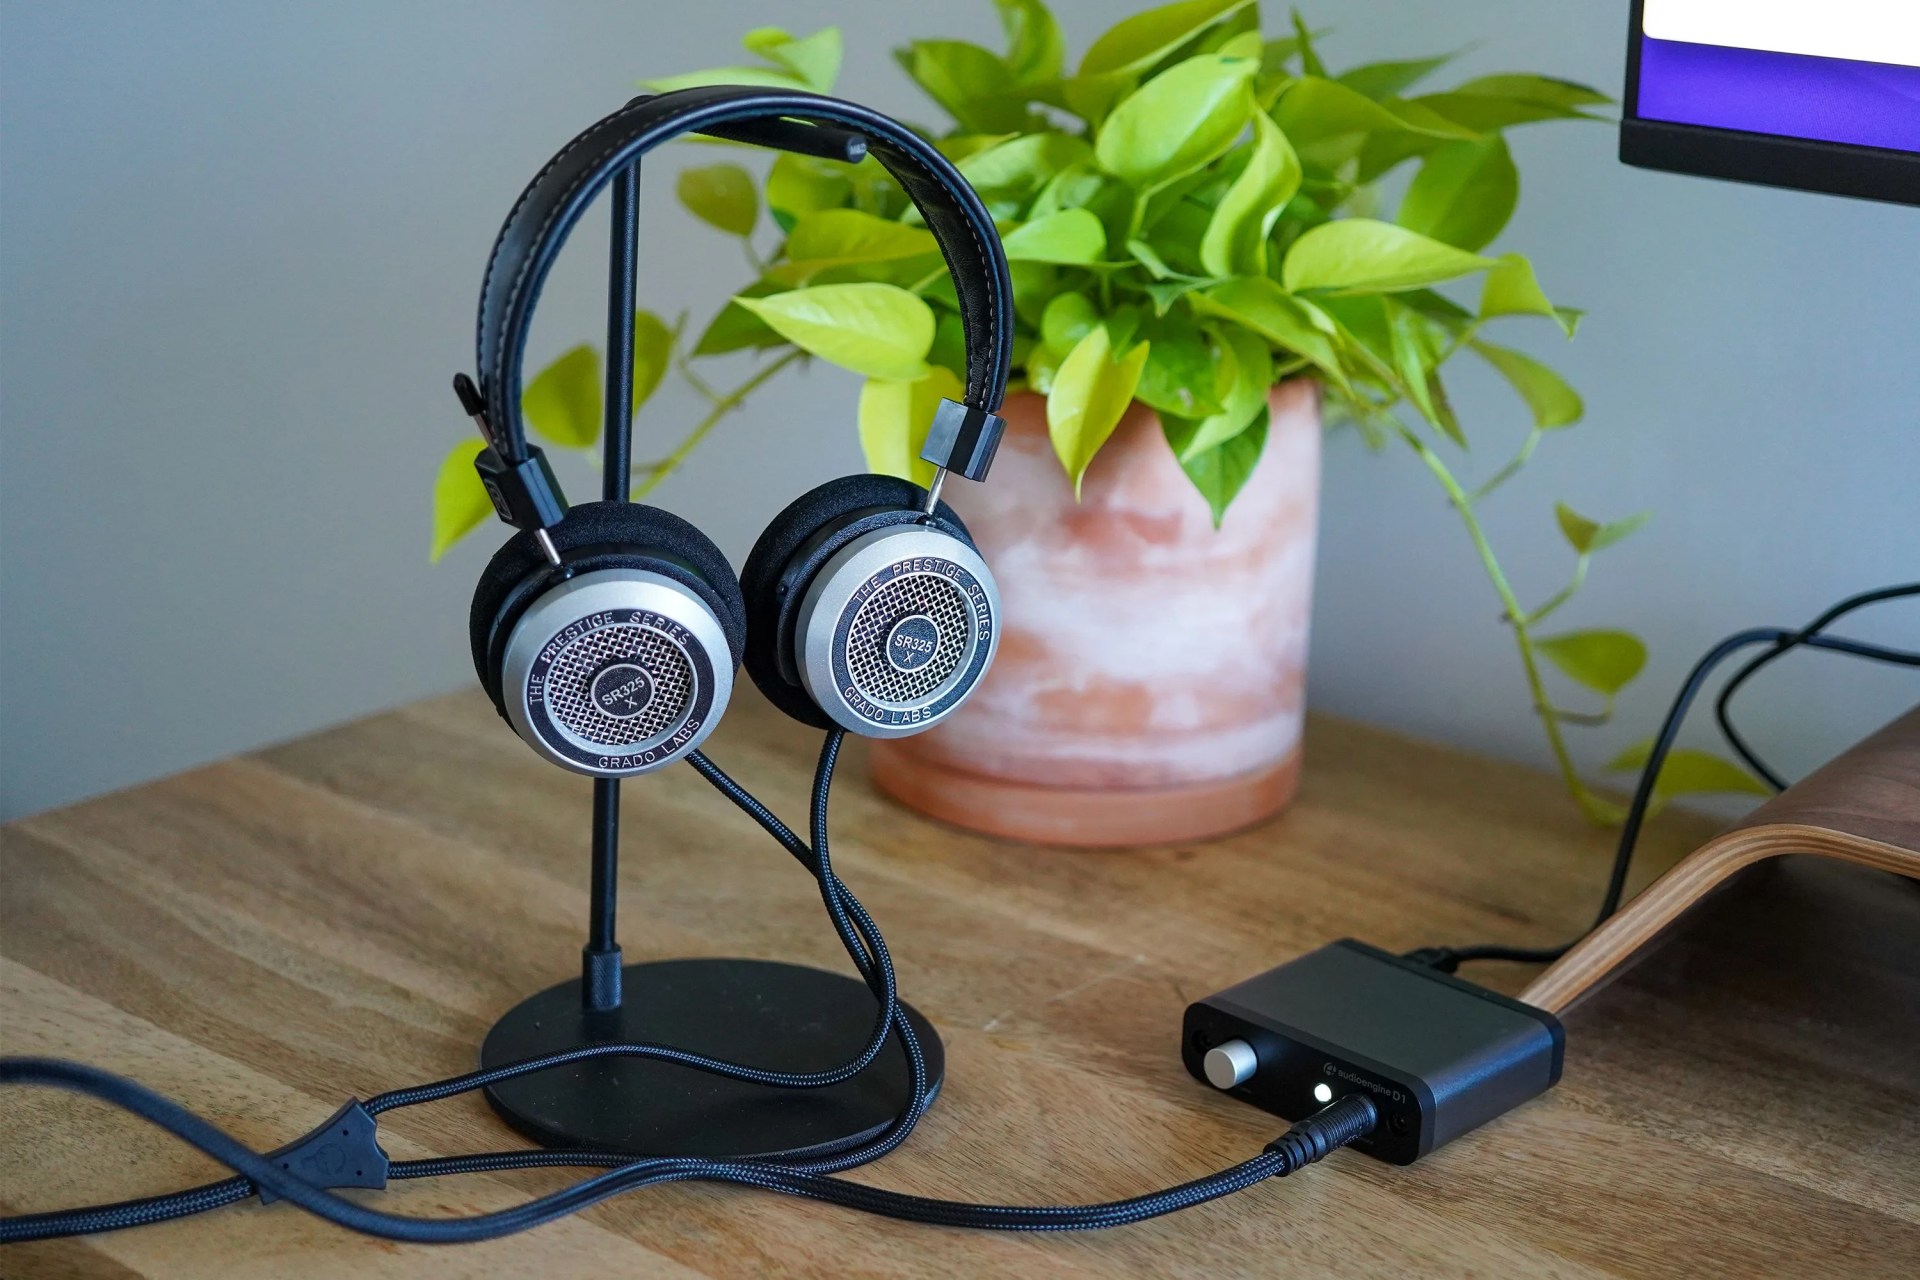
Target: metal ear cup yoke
(896, 631)
(616, 672)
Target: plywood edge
(1863, 806)
(1605, 952)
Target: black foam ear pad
(600, 535)
(792, 549)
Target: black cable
(1341, 1123)
(862, 942)
(818, 858)
(1810, 636)
(1449, 959)
(127, 1213)
(859, 934)
(1308, 1141)
(849, 918)
(1345, 1121)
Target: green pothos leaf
(1177, 121)
(735, 328)
(879, 330)
(1137, 42)
(721, 195)
(1464, 193)
(829, 238)
(1069, 236)
(1067, 319)
(1236, 238)
(1090, 392)
(1303, 38)
(1378, 80)
(1689, 771)
(1221, 472)
(1415, 350)
(1603, 661)
(1035, 48)
(562, 403)
(1244, 375)
(1512, 289)
(460, 502)
(814, 59)
(1290, 323)
(652, 354)
(1586, 536)
(975, 85)
(798, 184)
(1365, 254)
(1553, 402)
(1181, 376)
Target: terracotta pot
(1150, 685)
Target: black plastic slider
(963, 439)
(343, 1152)
(471, 403)
(525, 494)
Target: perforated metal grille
(928, 595)
(570, 679)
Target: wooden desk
(267, 936)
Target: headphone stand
(780, 1017)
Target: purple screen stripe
(1870, 104)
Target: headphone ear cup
(599, 535)
(816, 573)
(785, 558)
(622, 560)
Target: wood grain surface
(347, 913)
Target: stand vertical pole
(623, 252)
(600, 960)
(782, 1016)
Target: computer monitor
(1822, 95)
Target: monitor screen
(1817, 94)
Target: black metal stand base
(783, 1017)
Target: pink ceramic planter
(1150, 685)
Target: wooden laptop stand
(1862, 807)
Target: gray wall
(240, 244)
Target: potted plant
(1202, 265)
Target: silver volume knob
(1230, 1064)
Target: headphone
(609, 634)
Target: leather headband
(547, 210)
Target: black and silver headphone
(608, 634)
